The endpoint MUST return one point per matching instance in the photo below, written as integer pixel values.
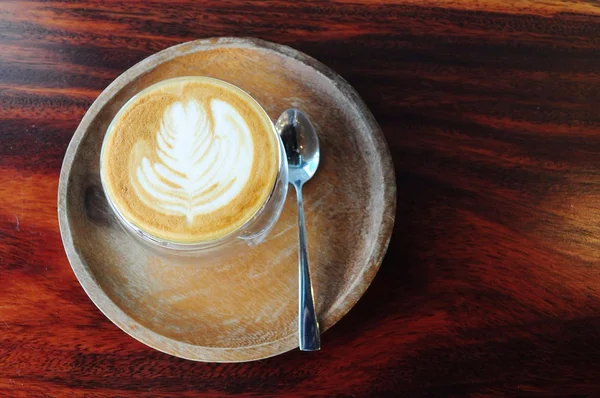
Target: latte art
(202, 164)
(189, 160)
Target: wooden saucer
(244, 309)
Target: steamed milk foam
(190, 159)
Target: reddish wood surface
(491, 285)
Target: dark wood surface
(491, 285)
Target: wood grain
(491, 284)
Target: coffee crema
(190, 159)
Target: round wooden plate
(244, 309)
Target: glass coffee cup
(148, 189)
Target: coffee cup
(193, 166)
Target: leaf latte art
(189, 160)
(204, 160)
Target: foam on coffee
(190, 159)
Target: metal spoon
(302, 149)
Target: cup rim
(206, 244)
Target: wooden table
(492, 281)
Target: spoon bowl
(301, 145)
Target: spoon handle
(308, 326)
